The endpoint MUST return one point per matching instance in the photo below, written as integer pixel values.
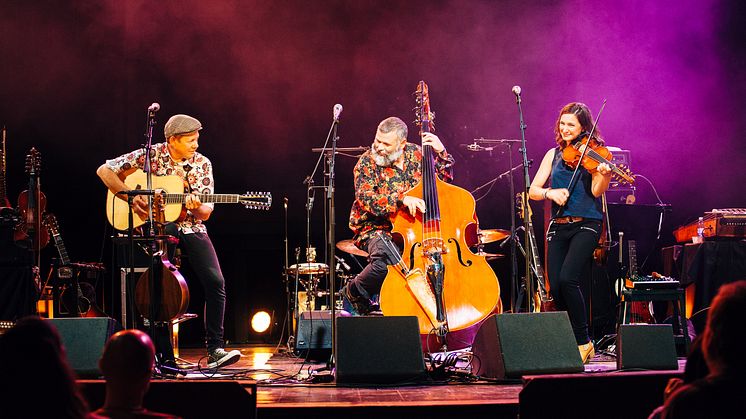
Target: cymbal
(492, 235)
(348, 246)
(490, 256)
(309, 268)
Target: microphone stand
(290, 313)
(330, 245)
(526, 185)
(154, 274)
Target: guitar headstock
(33, 162)
(256, 200)
(521, 203)
(425, 116)
(50, 221)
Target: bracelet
(546, 191)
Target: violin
(596, 154)
(31, 204)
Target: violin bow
(574, 178)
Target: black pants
(368, 282)
(569, 255)
(204, 262)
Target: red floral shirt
(197, 171)
(379, 190)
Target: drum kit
(311, 275)
(485, 237)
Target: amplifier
(621, 191)
(619, 156)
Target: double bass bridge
(431, 246)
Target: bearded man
(383, 175)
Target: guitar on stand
(541, 299)
(641, 311)
(72, 301)
(4, 202)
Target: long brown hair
(581, 111)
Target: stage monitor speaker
(314, 330)
(377, 350)
(512, 345)
(646, 346)
(84, 340)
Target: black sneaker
(219, 357)
(361, 304)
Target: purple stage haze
(262, 76)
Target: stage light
(260, 321)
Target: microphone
(155, 107)
(517, 91)
(309, 204)
(343, 263)
(136, 192)
(337, 111)
(474, 147)
(285, 202)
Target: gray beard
(384, 160)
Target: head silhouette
(32, 355)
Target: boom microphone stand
(477, 146)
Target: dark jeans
(368, 282)
(569, 255)
(204, 262)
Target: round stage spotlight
(260, 321)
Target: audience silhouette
(127, 365)
(721, 393)
(34, 366)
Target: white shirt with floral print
(197, 171)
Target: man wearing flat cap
(178, 156)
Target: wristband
(546, 191)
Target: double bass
(439, 279)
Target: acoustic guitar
(75, 299)
(173, 198)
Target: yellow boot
(586, 352)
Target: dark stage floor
(284, 389)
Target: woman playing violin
(575, 226)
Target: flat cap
(181, 124)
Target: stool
(677, 298)
(175, 331)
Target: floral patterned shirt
(380, 190)
(197, 171)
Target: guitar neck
(64, 258)
(632, 246)
(538, 270)
(179, 198)
(3, 191)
